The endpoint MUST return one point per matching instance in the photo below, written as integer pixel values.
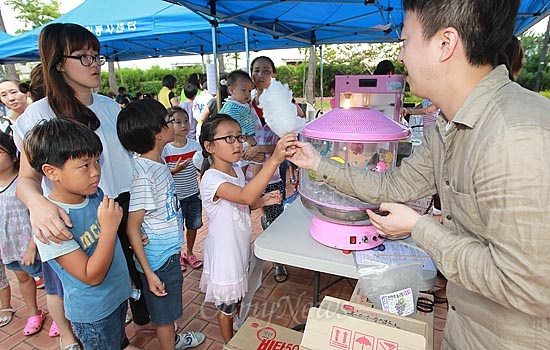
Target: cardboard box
(261, 335)
(343, 325)
(359, 297)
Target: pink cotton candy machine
(364, 138)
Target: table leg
(316, 288)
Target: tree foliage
(337, 60)
(148, 81)
(532, 47)
(34, 13)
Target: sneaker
(189, 340)
(237, 323)
(39, 282)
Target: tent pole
(215, 58)
(321, 81)
(247, 49)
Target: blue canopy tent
(317, 22)
(4, 36)
(145, 29)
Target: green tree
(34, 13)
(532, 47)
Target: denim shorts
(191, 210)
(107, 333)
(228, 309)
(35, 270)
(166, 309)
(52, 281)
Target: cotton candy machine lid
(356, 125)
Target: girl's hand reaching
(283, 147)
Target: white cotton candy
(279, 112)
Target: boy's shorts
(166, 309)
(51, 281)
(191, 210)
(107, 333)
(35, 270)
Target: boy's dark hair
(190, 90)
(195, 79)
(169, 81)
(8, 146)
(57, 140)
(121, 90)
(237, 75)
(139, 123)
(208, 132)
(384, 67)
(485, 26)
(177, 109)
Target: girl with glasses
(68, 82)
(228, 201)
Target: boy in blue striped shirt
(144, 128)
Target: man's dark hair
(58, 140)
(190, 90)
(485, 26)
(139, 122)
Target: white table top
(287, 241)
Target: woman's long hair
(57, 40)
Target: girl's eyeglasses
(88, 60)
(231, 139)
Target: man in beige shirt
(487, 157)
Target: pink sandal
(182, 263)
(34, 324)
(192, 260)
(54, 330)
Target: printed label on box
(384, 344)
(399, 303)
(363, 341)
(340, 337)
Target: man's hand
(398, 223)
(304, 156)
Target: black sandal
(280, 273)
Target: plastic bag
(392, 288)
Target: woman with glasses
(71, 67)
